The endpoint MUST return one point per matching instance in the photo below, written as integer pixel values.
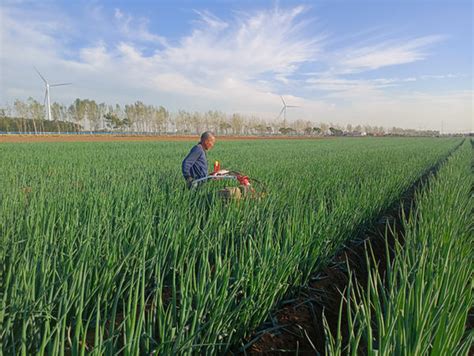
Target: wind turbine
(283, 110)
(46, 94)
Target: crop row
(421, 305)
(103, 250)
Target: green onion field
(104, 251)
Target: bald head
(207, 140)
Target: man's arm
(189, 161)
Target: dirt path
(296, 327)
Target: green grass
(420, 307)
(103, 251)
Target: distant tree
(131, 115)
(324, 127)
(397, 131)
(113, 121)
(335, 131)
(160, 117)
(237, 122)
(21, 111)
(287, 130)
(225, 127)
(206, 121)
(196, 121)
(7, 110)
(214, 118)
(299, 126)
(101, 113)
(36, 112)
(368, 129)
(183, 121)
(57, 111)
(5, 123)
(91, 113)
(260, 129)
(141, 111)
(248, 125)
(94, 114)
(308, 131)
(77, 110)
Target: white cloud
(136, 29)
(338, 86)
(262, 42)
(210, 20)
(118, 14)
(383, 54)
(96, 56)
(439, 76)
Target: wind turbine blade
(293, 106)
(57, 85)
(281, 112)
(283, 100)
(37, 71)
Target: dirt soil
(140, 138)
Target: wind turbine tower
(47, 99)
(283, 110)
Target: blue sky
(386, 63)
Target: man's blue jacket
(195, 163)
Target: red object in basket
(217, 166)
(243, 180)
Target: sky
(387, 63)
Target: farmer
(194, 166)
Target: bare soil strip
(140, 138)
(296, 326)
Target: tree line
(85, 115)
